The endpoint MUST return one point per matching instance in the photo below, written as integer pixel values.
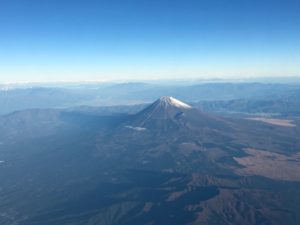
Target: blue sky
(72, 40)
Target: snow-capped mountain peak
(167, 101)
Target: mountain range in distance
(242, 97)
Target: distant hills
(215, 96)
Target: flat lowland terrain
(269, 164)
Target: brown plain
(268, 164)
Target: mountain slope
(169, 135)
(170, 114)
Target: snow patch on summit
(174, 102)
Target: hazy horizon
(179, 81)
